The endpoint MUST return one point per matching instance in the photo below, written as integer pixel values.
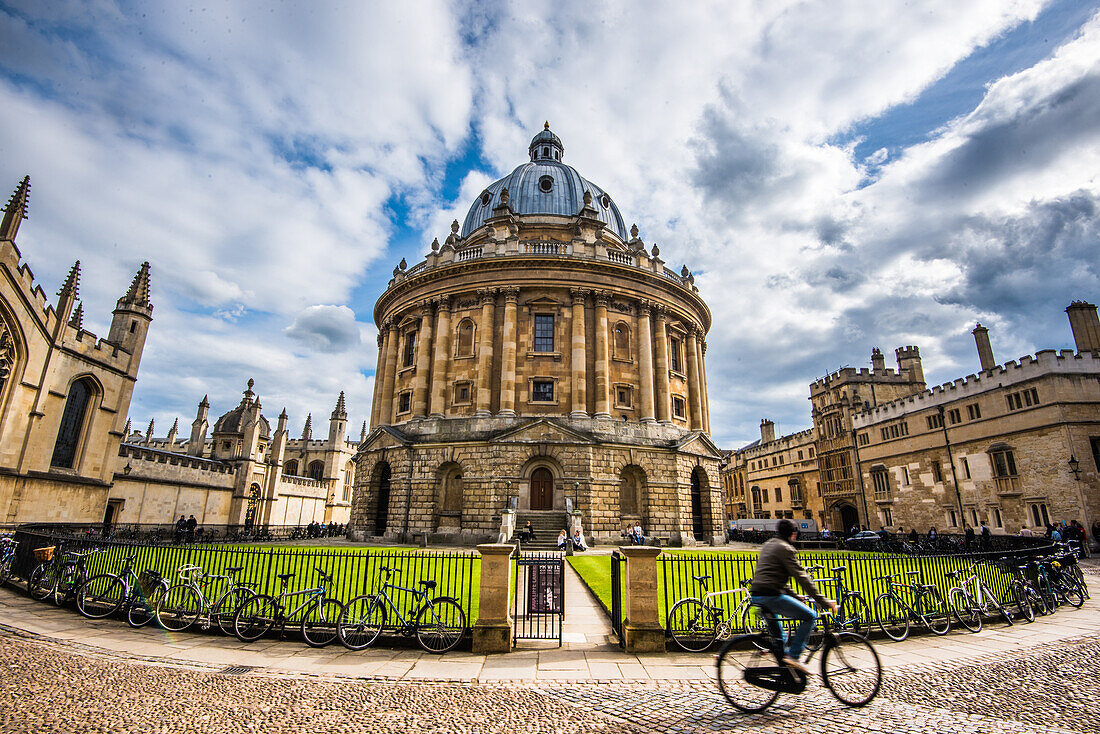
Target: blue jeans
(789, 608)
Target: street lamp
(1075, 467)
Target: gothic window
(291, 468)
(72, 423)
(349, 480)
(7, 355)
(465, 341)
(316, 470)
(1039, 514)
(1004, 463)
(544, 332)
(621, 341)
(253, 507)
(881, 482)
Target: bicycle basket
(149, 580)
(44, 554)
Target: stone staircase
(546, 524)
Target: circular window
(546, 183)
(605, 201)
(486, 198)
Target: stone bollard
(493, 631)
(642, 631)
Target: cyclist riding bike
(776, 566)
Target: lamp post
(1075, 467)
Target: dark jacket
(778, 564)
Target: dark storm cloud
(733, 165)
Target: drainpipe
(951, 458)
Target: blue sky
(839, 175)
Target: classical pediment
(383, 437)
(700, 444)
(542, 430)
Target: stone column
(695, 384)
(706, 392)
(379, 376)
(393, 338)
(603, 405)
(442, 357)
(645, 360)
(485, 353)
(508, 353)
(493, 631)
(578, 374)
(642, 631)
(423, 362)
(662, 367)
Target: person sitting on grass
(776, 566)
(562, 538)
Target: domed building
(541, 363)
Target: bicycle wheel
(1019, 599)
(1038, 603)
(440, 625)
(934, 612)
(225, 610)
(361, 621)
(892, 617)
(1050, 599)
(42, 582)
(68, 581)
(851, 670)
(740, 655)
(179, 608)
(691, 625)
(255, 617)
(966, 611)
(319, 622)
(854, 616)
(992, 602)
(1070, 593)
(142, 610)
(753, 621)
(100, 596)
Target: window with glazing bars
(544, 332)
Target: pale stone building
(541, 358)
(67, 453)
(775, 477)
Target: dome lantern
(546, 146)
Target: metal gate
(617, 560)
(538, 608)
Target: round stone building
(542, 363)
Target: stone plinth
(493, 631)
(642, 631)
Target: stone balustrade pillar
(493, 631)
(578, 373)
(695, 385)
(603, 386)
(385, 415)
(423, 362)
(508, 354)
(645, 361)
(642, 631)
(662, 368)
(442, 358)
(485, 353)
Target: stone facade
(774, 478)
(542, 318)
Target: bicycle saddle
(286, 576)
(234, 569)
(427, 584)
(701, 579)
(839, 568)
(324, 576)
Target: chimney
(767, 431)
(1085, 326)
(878, 362)
(985, 351)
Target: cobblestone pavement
(46, 686)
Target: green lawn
(355, 570)
(728, 569)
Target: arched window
(253, 506)
(465, 341)
(631, 491)
(756, 496)
(71, 429)
(621, 341)
(316, 470)
(349, 479)
(291, 468)
(451, 490)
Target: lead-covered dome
(545, 185)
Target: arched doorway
(382, 493)
(253, 507)
(849, 516)
(542, 489)
(698, 525)
(450, 498)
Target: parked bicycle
(972, 600)
(695, 624)
(104, 594)
(894, 612)
(1053, 583)
(853, 613)
(438, 623)
(751, 672)
(59, 576)
(7, 558)
(261, 613)
(185, 602)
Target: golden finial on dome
(546, 125)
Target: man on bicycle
(776, 566)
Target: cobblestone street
(47, 686)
